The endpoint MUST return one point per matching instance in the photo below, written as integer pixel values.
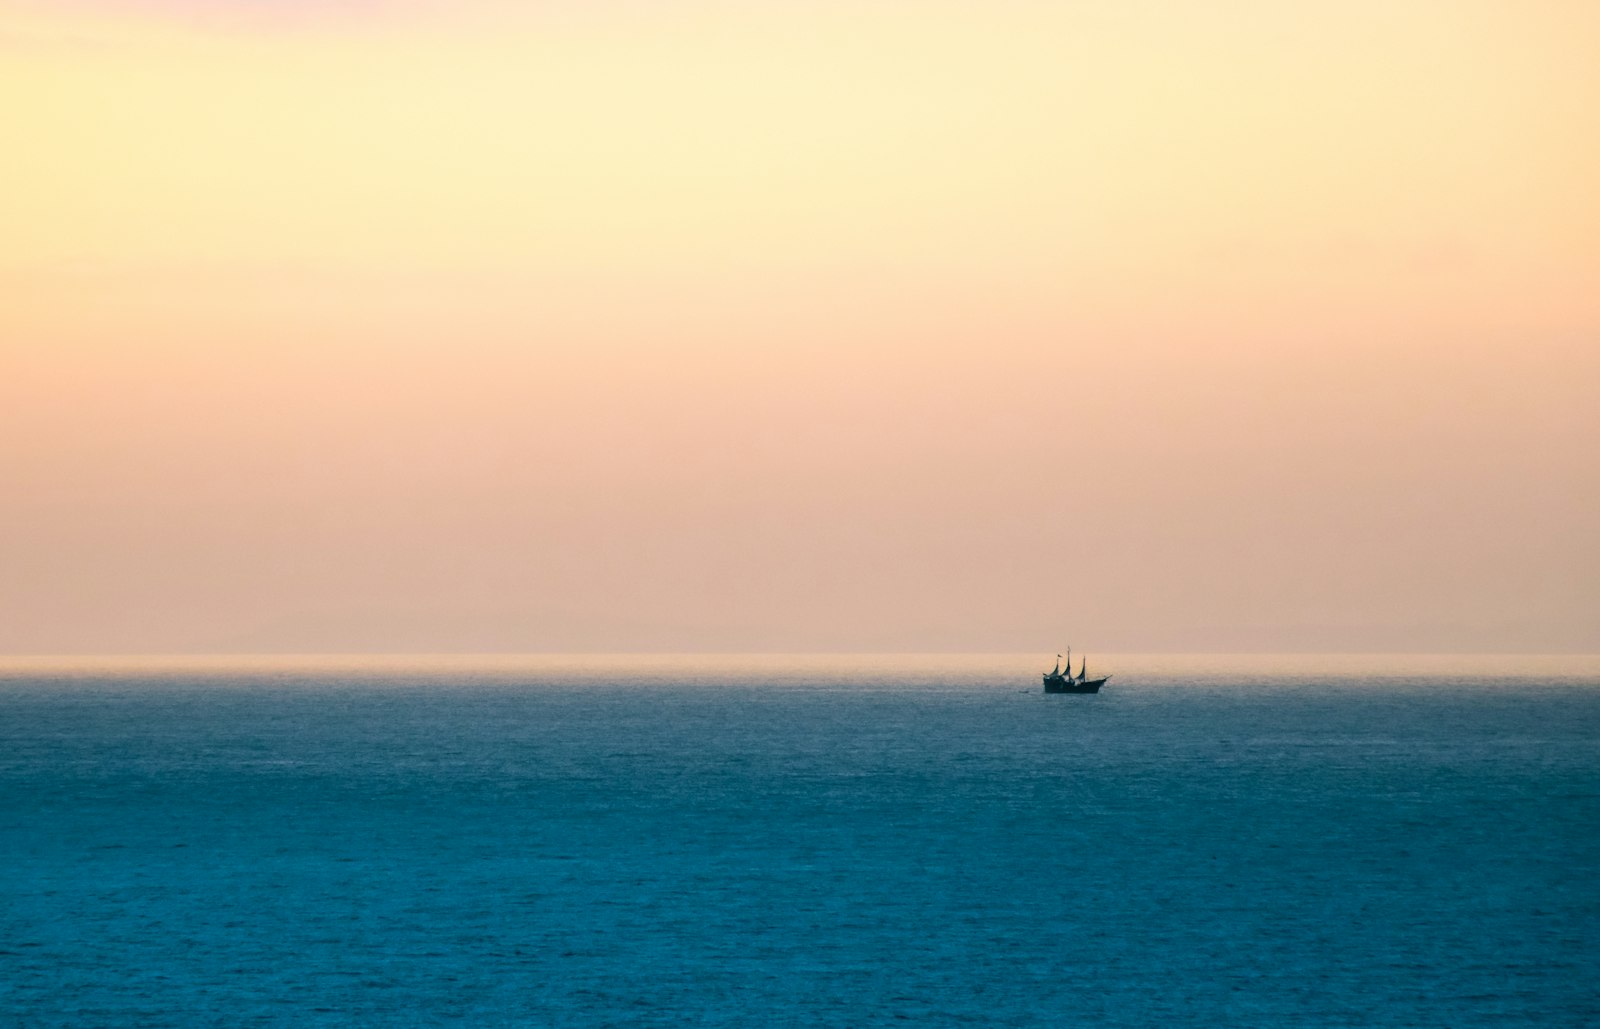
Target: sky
(403, 326)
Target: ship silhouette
(1058, 681)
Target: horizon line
(293, 654)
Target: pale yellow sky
(949, 325)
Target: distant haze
(799, 326)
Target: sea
(805, 841)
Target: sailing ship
(1058, 681)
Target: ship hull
(1064, 686)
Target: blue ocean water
(799, 842)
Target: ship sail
(1064, 679)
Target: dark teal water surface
(799, 842)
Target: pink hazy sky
(887, 326)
